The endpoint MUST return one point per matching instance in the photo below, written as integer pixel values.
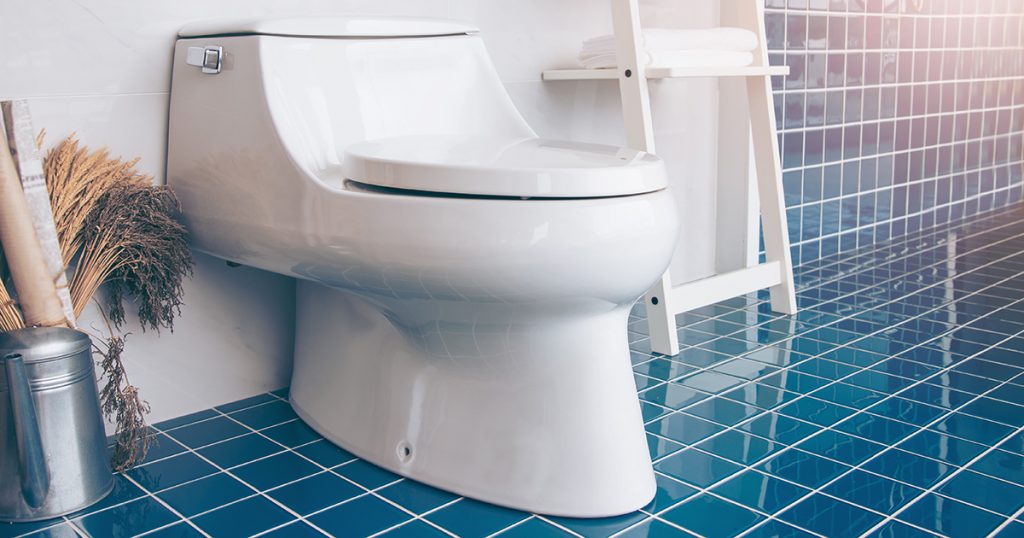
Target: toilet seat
(503, 167)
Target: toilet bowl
(464, 286)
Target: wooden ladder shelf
(665, 300)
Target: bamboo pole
(36, 289)
(21, 140)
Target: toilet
(464, 286)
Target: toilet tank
(250, 144)
(318, 85)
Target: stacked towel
(725, 47)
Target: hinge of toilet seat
(208, 58)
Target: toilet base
(534, 414)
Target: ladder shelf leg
(769, 188)
(661, 318)
(636, 111)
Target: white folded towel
(702, 47)
(676, 58)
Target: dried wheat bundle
(10, 315)
(132, 240)
(121, 230)
(77, 179)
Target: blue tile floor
(891, 405)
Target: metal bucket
(53, 456)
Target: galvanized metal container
(53, 456)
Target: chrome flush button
(208, 58)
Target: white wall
(101, 68)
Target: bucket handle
(35, 478)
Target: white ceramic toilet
(464, 286)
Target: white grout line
(887, 14)
(561, 527)
(856, 230)
(957, 470)
(938, 233)
(878, 122)
(168, 507)
(830, 382)
(332, 470)
(914, 54)
(74, 527)
(886, 447)
(838, 299)
(928, 239)
(867, 410)
(837, 321)
(1016, 517)
(232, 475)
(512, 526)
(855, 313)
(285, 449)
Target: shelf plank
(667, 72)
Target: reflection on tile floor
(891, 405)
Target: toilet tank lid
(327, 27)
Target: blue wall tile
(927, 98)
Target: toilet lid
(519, 167)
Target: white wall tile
(528, 36)
(575, 110)
(132, 125)
(233, 339)
(74, 47)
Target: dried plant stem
(120, 402)
(10, 316)
(97, 262)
